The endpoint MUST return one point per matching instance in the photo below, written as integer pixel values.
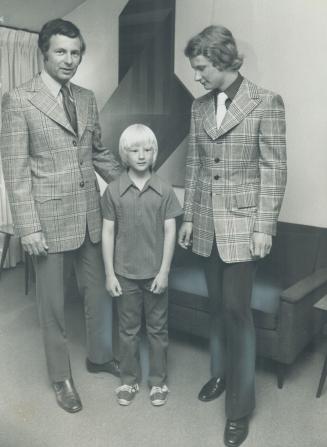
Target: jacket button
(82, 184)
(217, 160)
(74, 143)
(216, 177)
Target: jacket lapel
(246, 99)
(81, 102)
(209, 113)
(47, 104)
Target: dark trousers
(232, 341)
(136, 296)
(88, 266)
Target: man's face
(205, 73)
(63, 57)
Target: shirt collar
(233, 88)
(155, 184)
(53, 85)
(125, 183)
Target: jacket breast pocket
(86, 139)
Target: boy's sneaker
(158, 395)
(125, 393)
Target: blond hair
(137, 135)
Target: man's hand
(113, 286)
(260, 245)
(35, 244)
(160, 283)
(185, 234)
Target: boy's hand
(113, 286)
(160, 283)
(185, 235)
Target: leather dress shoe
(67, 396)
(111, 367)
(236, 431)
(212, 389)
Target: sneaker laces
(159, 389)
(129, 388)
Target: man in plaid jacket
(50, 146)
(234, 187)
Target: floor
(30, 417)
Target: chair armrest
(305, 286)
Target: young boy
(138, 241)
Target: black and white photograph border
(134, 50)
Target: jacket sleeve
(192, 170)
(272, 165)
(14, 143)
(104, 161)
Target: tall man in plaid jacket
(50, 146)
(234, 187)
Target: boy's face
(139, 158)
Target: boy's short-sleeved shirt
(139, 223)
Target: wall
(285, 44)
(98, 22)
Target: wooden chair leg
(4, 251)
(281, 368)
(322, 378)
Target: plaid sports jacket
(49, 170)
(235, 176)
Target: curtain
(19, 61)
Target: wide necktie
(221, 108)
(69, 107)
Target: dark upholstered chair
(288, 283)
